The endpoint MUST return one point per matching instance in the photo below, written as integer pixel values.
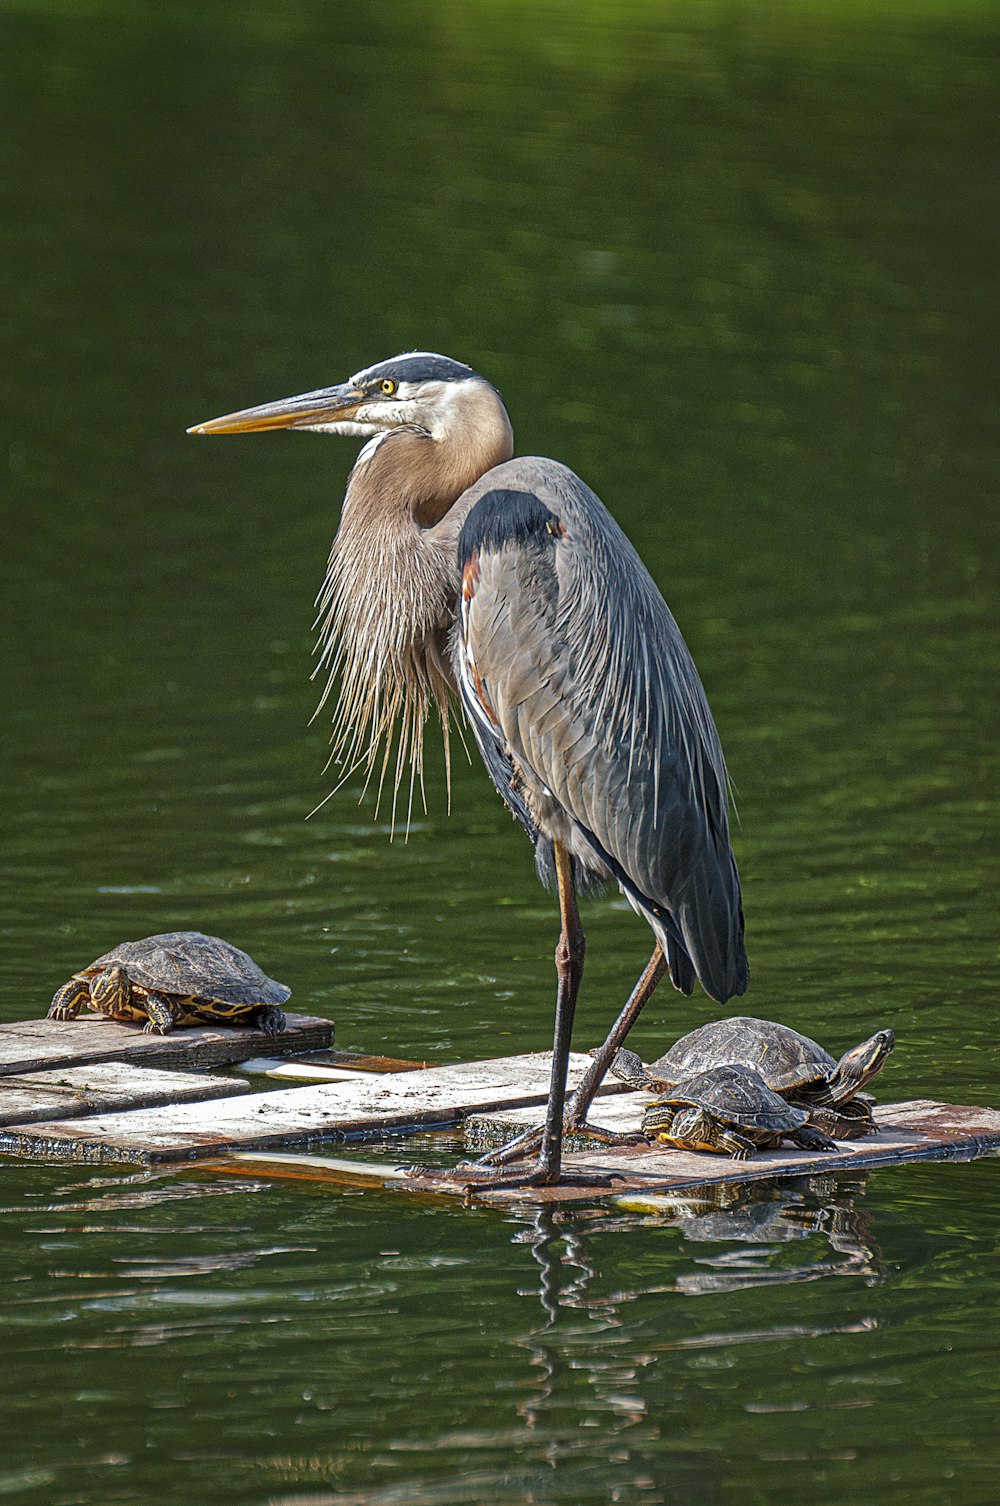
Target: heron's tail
(709, 917)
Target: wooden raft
(920, 1130)
(380, 1105)
(97, 1091)
(35, 1045)
(68, 1092)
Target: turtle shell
(190, 964)
(787, 1061)
(737, 1096)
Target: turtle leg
(269, 1018)
(161, 1015)
(735, 1145)
(810, 1138)
(69, 1000)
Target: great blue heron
(458, 569)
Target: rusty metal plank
(381, 1105)
(104, 1087)
(38, 1045)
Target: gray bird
(457, 569)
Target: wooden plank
(302, 1072)
(71, 1092)
(329, 1066)
(367, 1063)
(37, 1045)
(623, 1113)
(379, 1105)
(920, 1130)
(298, 1167)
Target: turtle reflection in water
(731, 1110)
(792, 1065)
(178, 978)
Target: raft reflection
(755, 1224)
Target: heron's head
(439, 397)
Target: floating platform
(52, 1070)
(920, 1130)
(379, 1105)
(99, 1092)
(36, 1045)
(104, 1087)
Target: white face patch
(366, 453)
(345, 426)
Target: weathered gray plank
(294, 1116)
(36, 1045)
(920, 1130)
(623, 1113)
(102, 1087)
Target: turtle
(177, 978)
(732, 1110)
(797, 1068)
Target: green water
(736, 264)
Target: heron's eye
(387, 387)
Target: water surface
(737, 266)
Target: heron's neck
(423, 472)
(391, 590)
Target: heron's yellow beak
(326, 405)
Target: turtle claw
(68, 1000)
(810, 1138)
(268, 1018)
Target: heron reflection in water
(459, 570)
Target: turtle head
(688, 1125)
(628, 1067)
(692, 1128)
(110, 990)
(862, 1063)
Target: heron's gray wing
(570, 659)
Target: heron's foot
(609, 1137)
(530, 1141)
(473, 1180)
(525, 1144)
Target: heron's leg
(569, 972)
(576, 1110)
(601, 1059)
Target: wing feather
(599, 719)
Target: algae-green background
(737, 265)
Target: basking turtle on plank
(178, 978)
(731, 1110)
(797, 1068)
